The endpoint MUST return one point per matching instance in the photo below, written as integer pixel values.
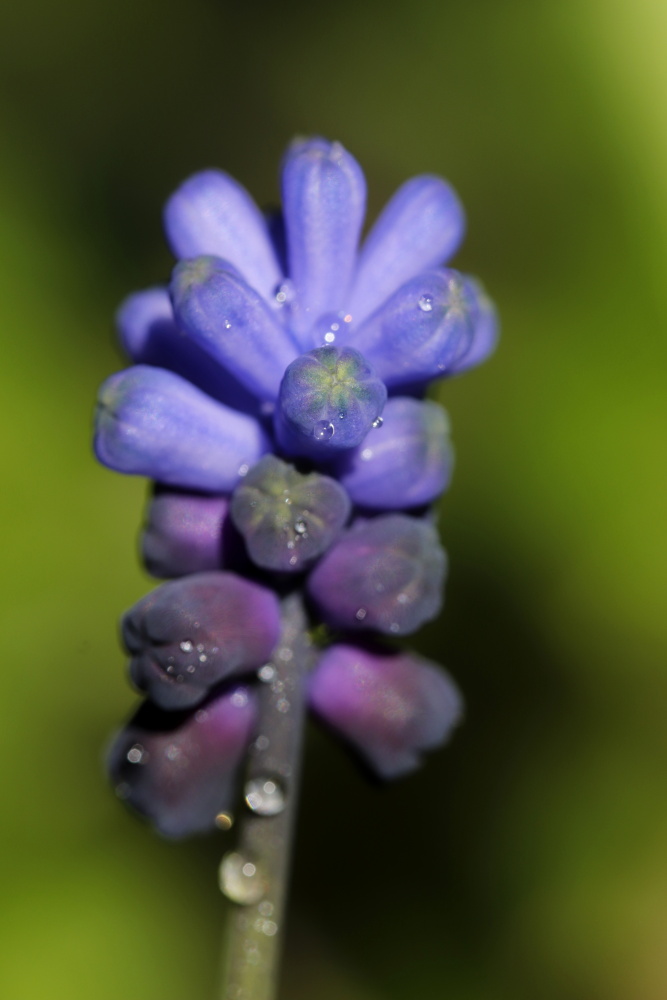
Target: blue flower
(276, 399)
(213, 349)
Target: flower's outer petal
(184, 533)
(190, 634)
(211, 213)
(215, 308)
(324, 200)
(406, 462)
(390, 706)
(150, 422)
(149, 336)
(385, 574)
(179, 770)
(287, 518)
(485, 330)
(422, 331)
(328, 401)
(421, 228)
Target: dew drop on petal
(300, 527)
(266, 673)
(361, 614)
(324, 430)
(426, 303)
(186, 646)
(330, 337)
(378, 422)
(264, 796)
(137, 754)
(240, 879)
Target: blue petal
(215, 307)
(390, 706)
(324, 199)
(406, 462)
(485, 330)
(149, 336)
(421, 228)
(150, 422)
(211, 213)
(422, 331)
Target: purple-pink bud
(190, 634)
(385, 574)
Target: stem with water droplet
(254, 935)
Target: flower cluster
(276, 401)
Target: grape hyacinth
(275, 399)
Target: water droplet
(186, 646)
(262, 743)
(426, 303)
(366, 454)
(361, 614)
(300, 527)
(264, 796)
(378, 422)
(240, 879)
(341, 416)
(224, 821)
(203, 658)
(293, 560)
(270, 928)
(200, 647)
(227, 325)
(347, 318)
(394, 627)
(283, 705)
(335, 327)
(191, 669)
(239, 699)
(137, 754)
(172, 752)
(278, 687)
(284, 294)
(329, 337)
(266, 673)
(285, 654)
(324, 430)
(265, 908)
(244, 469)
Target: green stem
(255, 875)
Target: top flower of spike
(281, 334)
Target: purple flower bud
(390, 707)
(406, 462)
(185, 533)
(215, 307)
(150, 422)
(324, 199)
(179, 770)
(422, 331)
(385, 574)
(329, 399)
(192, 633)
(420, 228)
(287, 519)
(211, 213)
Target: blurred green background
(529, 859)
